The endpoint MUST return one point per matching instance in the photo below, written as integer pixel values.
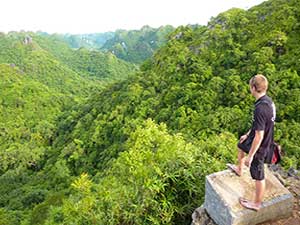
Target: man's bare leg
(260, 190)
(238, 169)
(241, 161)
(259, 194)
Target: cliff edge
(281, 203)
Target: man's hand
(248, 161)
(243, 138)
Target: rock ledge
(221, 200)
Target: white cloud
(87, 16)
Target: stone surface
(200, 217)
(224, 188)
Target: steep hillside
(87, 63)
(23, 51)
(198, 86)
(36, 87)
(138, 151)
(28, 109)
(137, 45)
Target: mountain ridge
(137, 151)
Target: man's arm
(259, 135)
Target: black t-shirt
(264, 119)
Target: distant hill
(86, 62)
(137, 45)
(133, 46)
(89, 41)
(23, 51)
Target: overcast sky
(92, 16)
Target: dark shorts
(257, 166)
(257, 169)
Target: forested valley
(88, 138)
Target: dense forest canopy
(137, 150)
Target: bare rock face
(27, 40)
(200, 217)
(223, 190)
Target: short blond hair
(259, 82)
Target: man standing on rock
(258, 141)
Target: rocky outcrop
(279, 206)
(27, 40)
(201, 217)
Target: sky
(97, 16)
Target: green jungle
(120, 134)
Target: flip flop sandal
(233, 168)
(248, 204)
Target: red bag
(277, 154)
